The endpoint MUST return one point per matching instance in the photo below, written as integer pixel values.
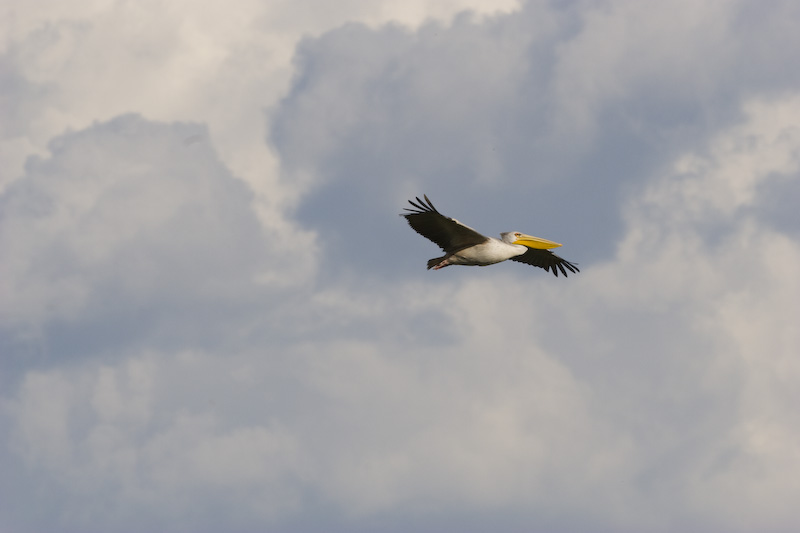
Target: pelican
(465, 246)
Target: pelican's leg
(443, 264)
(438, 262)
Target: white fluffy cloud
(699, 303)
(184, 350)
(132, 220)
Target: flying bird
(465, 246)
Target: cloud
(680, 321)
(129, 229)
(654, 373)
(543, 112)
(195, 342)
(356, 424)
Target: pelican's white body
(492, 250)
(488, 253)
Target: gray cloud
(180, 354)
(126, 231)
(552, 115)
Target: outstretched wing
(450, 234)
(547, 260)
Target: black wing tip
(565, 265)
(420, 207)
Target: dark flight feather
(547, 260)
(448, 233)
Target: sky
(212, 317)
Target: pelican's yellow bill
(536, 242)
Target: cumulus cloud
(129, 228)
(192, 343)
(682, 312)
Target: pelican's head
(515, 237)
